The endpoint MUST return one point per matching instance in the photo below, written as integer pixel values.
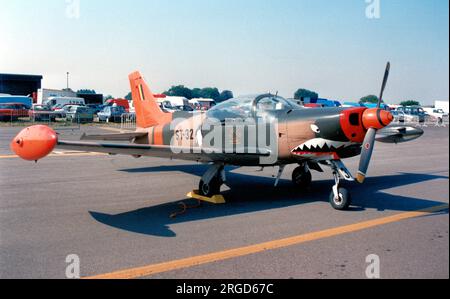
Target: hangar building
(20, 85)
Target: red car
(12, 111)
(41, 113)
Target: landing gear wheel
(211, 189)
(302, 178)
(342, 202)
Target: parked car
(185, 108)
(399, 116)
(60, 102)
(12, 111)
(79, 114)
(437, 114)
(60, 110)
(8, 99)
(96, 108)
(167, 107)
(413, 114)
(41, 113)
(111, 114)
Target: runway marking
(252, 249)
(60, 154)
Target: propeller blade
(369, 140)
(383, 87)
(366, 154)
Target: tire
(344, 201)
(301, 178)
(211, 189)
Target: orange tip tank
(34, 143)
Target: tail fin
(148, 112)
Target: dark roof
(19, 77)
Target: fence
(23, 118)
(128, 121)
(427, 122)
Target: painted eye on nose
(315, 129)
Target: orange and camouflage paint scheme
(301, 133)
(261, 130)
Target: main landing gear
(301, 176)
(340, 198)
(209, 189)
(212, 180)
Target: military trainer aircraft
(256, 131)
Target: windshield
(234, 108)
(249, 106)
(271, 103)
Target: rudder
(148, 112)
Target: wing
(135, 150)
(162, 151)
(36, 142)
(115, 137)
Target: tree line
(216, 95)
(373, 99)
(203, 93)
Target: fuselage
(236, 131)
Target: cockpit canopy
(250, 107)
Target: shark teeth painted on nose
(321, 145)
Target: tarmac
(113, 213)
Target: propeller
(374, 120)
(383, 87)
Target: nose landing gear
(340, 198)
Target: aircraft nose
(377, 118)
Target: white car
(437, 114)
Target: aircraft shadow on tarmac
(255, 193)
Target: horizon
(255, 46)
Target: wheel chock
(216, 199)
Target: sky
(247, 46)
